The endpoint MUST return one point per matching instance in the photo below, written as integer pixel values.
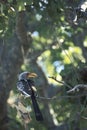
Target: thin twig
(60, 97)
(83, 117)
(62, 82)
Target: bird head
(26, 75)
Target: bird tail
(37, 111)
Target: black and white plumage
(26, 86)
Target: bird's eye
(77, 89)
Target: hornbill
(26, 86)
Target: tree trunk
(11, 58)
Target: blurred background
(49, 38)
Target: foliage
(58, 42)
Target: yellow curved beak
(31, 75)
